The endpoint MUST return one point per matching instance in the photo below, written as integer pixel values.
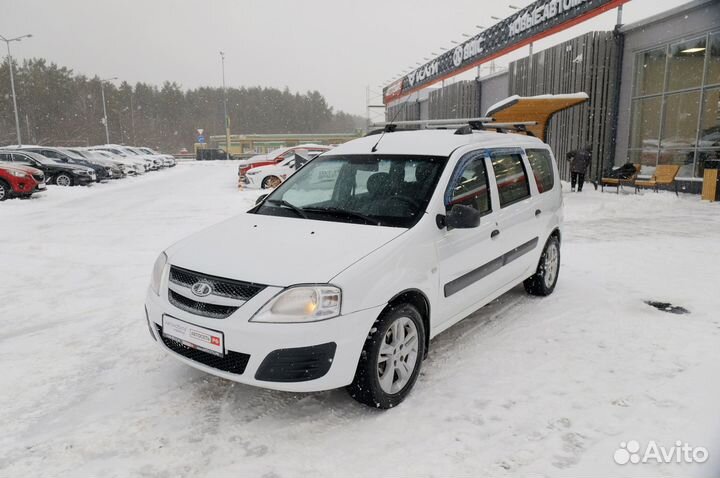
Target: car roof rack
(463, 125)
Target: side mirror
(462, 217)
(260, 199)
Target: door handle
(537, 212)
(494, 234)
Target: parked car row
(25, 170)
(267, 171)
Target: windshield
(368, 189)
(91, 154)
(71, 154)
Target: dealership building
(654, 85)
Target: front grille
(223, 287)
(200, 308)
(233, 362)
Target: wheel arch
(420, 301)
(8, 187)
(264, 184)
(556, 233)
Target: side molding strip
(466, 280)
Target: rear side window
(511, 178)
(5, 157)
(470, 188)
(541, 164)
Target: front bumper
(22, 186)
(269, 349)
(84, 179)
(252, 181)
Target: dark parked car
(62, 155)
(209, 154)
(62, 174)
(118, 170)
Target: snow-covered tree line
(59, 107)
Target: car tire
(543, 282)
(4, 190)
(271, 182)
(383, 378)
(63, 179)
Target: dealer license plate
(194, 336)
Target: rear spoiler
(534, 109)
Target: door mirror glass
(463, 217)
(260, 199)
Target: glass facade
(676, 106)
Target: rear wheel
(4, 190)
(271, 182)
(545, 278)
(63, 179)
(391, 358)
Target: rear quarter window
(542, 167)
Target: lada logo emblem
(201, 288)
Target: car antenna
(389, 126)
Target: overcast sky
(337, 47)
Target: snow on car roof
(432, 142)
(514, 98)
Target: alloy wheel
(63, 180)
(272, 182)
(398, 355)
(551, 265)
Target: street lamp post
(105, 120)
(12, 81)
(227, 122)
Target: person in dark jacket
(580, 161)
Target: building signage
(536, 21)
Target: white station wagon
(359, 259)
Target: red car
(19, 180)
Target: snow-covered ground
(524, 387)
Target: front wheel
(543, 282)
(391, 358)
(63, 180)
(271, 182)
(4, 191)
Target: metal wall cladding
(589, 63)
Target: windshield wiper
(282, 202)
(345, 212)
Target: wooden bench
(664, 176)
(618, 183)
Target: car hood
(71, 167)
(265, 168)
(279, 251)
(20, 167)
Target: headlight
(18, 174)
(301, 304)
(157, 271)
(81, 171)
(251, 173)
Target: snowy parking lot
(525, 387)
